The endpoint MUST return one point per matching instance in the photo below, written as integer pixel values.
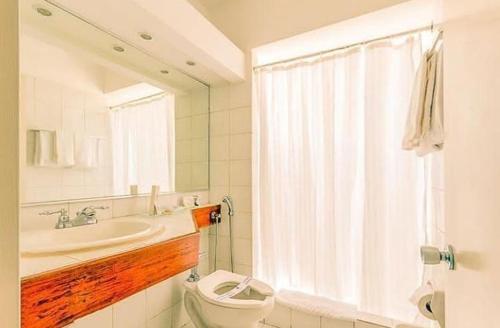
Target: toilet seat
(209, 284)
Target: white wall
(9, 160)
(160, 306)
(230, 171)
(191, 140)
(472, 160)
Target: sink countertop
(175, 225)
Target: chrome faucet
(87, 216)
(83, 217)
(63, 221)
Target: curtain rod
(138, 100)
(353, 45)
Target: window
(340, 210)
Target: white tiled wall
(191, 144)
(230, 170)
(160, 306)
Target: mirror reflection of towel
(45, 150)
(90, 155)
(66, 148)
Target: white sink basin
(102, 234)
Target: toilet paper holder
(432, 255)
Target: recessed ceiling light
(190, 63)
(44, 12)
(146, 36)
(118, 49)
(164, 71)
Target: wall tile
(159, 298)
(217, 193)
(129, 206)
(162, 320)
(219, 123)
(199, 150)
(336, 323)
(200, 101)
(240, 95)
(243, 269)
(364, 324)
(219, 148)
(241, 146)
(242, 225)
(183, 151)
(241, 173)
(242, 251)
(182, 106)
(241, 120)
(199, 126)
(179, 315)
(242, 197)
(199, 176)
(304, 320)
(280, 316)
(183, 128)
(219, 98)
(130, 312)
(100, 319)
(219, 173)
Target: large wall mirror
(100, 117)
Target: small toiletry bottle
(153, 207)
(134, 190)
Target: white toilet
(228, 300)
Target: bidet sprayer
(229, 201)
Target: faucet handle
(90, 210)
(99, 207)
(62, 212)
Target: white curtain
(340, 210)
(143, 139)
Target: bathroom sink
(102, 234)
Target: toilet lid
(208, 285)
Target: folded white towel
(90, 153)
(45, 148)
(424, 126)
(66, 148)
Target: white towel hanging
(424, 127)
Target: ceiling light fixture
(44, 12)
(190, 63)
(118, 49)
(146, 36)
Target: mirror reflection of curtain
(340, 210)
(143, 140)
